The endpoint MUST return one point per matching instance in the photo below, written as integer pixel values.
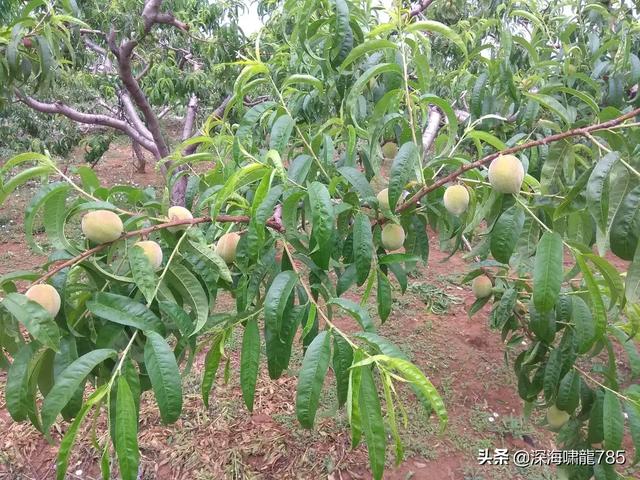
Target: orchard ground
(462, 357)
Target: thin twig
(534, 143)
(145, 231)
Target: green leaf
(542, 324)
(391, 418)
(62, 461)
(597, 191)
(124, 311)
(599, 312)
(281, 132)
(322, 217)
(570, 198)
(362, 247)
(275, 301)
(611, 277)
(359, 182)
(164, 374)
(66, 356)
(306, 79)
(250, 361)
(569, 392)
(630, 348)
(506, 233)
(401, 171)
(552, 372)
(356, 311)
(178, 316)
(211, 364)
(280, 321)
(142, 272)
(21, 178)
(625, 228)
(353, 400)
(633, 417)
(311, 378)
(68, 381)
(632, 282)
(215, 261)
(365, 48)
(372, 422)
(547, 272)
(343, 37)
(126, 432)
(342, 360)
(384, 297)
(54, 217)
(552, 104)
(613, 421)
(17, 386)
(412, 374)
(43, 195)
(191, 291)
(585, 326)
(362, 82)
(38, 322)
(440, 28)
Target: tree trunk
(139, 162)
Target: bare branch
(152, 15)
(132, 115)
(190, 117)
(433, 126)
(421, 7)
(88, 118)
(106, 61)
(164, 111)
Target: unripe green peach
(152, 251)
(392, 236)
(481, 286)
(102, 226)
(456, 199)
(46, 296)
(506, 174)
(556, 418)
(227, 245)
(178, 213)
(390, 150)
(383, 199)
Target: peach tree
(510, 130)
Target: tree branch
(190, 117)
(433, 126)
(132, 115)
(152, 15)
(583, 131)
(271, 223)
(88, 118)
(217, 113)
(106, 61)
(421, 7)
